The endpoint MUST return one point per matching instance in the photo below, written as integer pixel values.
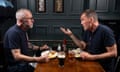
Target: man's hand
(87, 56)
(66, 31)
(43, 58)
(44, 47)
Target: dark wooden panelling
(47, 23)
(106, 9)
(116, 5)
(100, 5)
(50, 29)
(41, 29)
(22, 4)
(77, 30)
(76, 6)
(71, 7)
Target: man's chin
(31, 27)
(84, 29)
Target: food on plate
(77, 55)
(77, 52)
(52, 54)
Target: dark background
(46, 26)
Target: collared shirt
(97, 42)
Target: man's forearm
(77, 41)
(32, 46)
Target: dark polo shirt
(15, 38)
(97, 41)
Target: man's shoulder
(13, 29)
(105, 27)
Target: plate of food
(45, 52)
(77, 52)
(77, 55)
(51, 54)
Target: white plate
(77, 55)
(49, 53)
(45, 52)
(77, 52)
(52, 54)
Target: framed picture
(58, 6)
(41, 5)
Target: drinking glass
(61, 58)
(71, 55)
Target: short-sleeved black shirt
(97, 42)
(15, 38)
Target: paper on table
(33, 64)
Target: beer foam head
(61, 56)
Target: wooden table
(73, 65)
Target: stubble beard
(28, 26)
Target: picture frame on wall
(41, 6)
(58, 6)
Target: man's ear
(92, 19)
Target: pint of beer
(61, 58)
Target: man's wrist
(39, 48)
(71, 35)
(34, 59)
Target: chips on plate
(51, 54)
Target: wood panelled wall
(47, 23)
(46, 26)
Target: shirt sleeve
(109, 38)
(14, 40)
